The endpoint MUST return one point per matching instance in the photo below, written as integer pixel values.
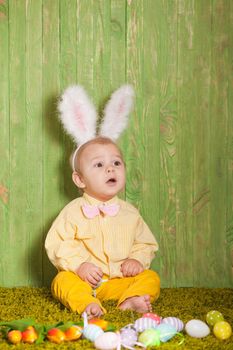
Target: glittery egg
(153, 317)
(174, 322)
(213, 317)
(149, 337)
(222, 330)
(91, 332)
(107, 341)
(166, 332)
(144, 323)
(128, 336)
(197, 329)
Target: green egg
(213, 317)
(150, 337)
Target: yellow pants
(76, 294)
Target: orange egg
(55, 335)
(99, 322)
(73, 333)
(14, 336)
(29, 335)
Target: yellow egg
(222, 330)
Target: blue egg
(166, 332)
(92, 331)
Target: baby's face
(102, 171)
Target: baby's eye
(98, 165)
(117, 163)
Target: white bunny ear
(116, 112)
(78, 114)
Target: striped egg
(91, 332)
(107, 341)
(174, 322)
(143, 323)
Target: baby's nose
(110, 168)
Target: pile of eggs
(152, 330)
(199, 329)
(148, 330)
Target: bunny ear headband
(79, 117)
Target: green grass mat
(185, 303)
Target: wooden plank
(117, 58)
(185, 136)
(53, 135)
(18, 235)
(229, 208)
(134, 74)
(4, 143)
(151, 106)
(159, 186)
(85, 54)
(218, 143)
(117, 54)
(101, 51)
(34, 152)
(201, 146)
(68, 76)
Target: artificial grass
(185, 303)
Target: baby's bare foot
(93, 310)
(138, 303)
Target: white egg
(107, 341)
(197, 329)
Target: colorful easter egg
(73, 333)
(197, 329)
(222, 330)
(153, 317)
(149, 337)
(29, 335)
(166, 332)
(174, 322)
(107, 341)
(55, 335)
(213, 317)
(99, 322)
(14, 336)
(128, 336)
(91, 332)
(144, 323)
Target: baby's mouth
(112, 180)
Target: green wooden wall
(179, 145)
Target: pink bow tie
(90, 211)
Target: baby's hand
(90, 273)
(131, 268)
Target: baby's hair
(99, 140)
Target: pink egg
(153, 317)
(174, 322)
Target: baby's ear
(77, 179)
